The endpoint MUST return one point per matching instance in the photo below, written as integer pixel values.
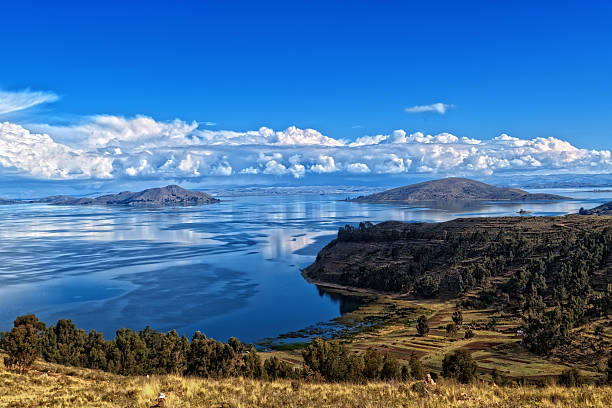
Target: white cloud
(189, 165)
(358, 168)
(275, 168)
(325, 164)
(249, 170)
(141, 147)
(20, 100)
(298, 170)
(391, 165)
(40, 156)
(439, 107)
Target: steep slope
(447, 259)
(453, 188)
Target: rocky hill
(164, 196)
(451, 258)
(604, 209)
(451, 189)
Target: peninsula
(604, 209)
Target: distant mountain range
(604, 209)
(164, 196)
(451, 189)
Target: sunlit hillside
(48, 385)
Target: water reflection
(228, 269)
(347, 303)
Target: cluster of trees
(130, 352)
(560, 294)
(153, 352)
(558, 277)
(432, 259)
(460, 366)
(333, 362)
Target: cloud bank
(21, 100)
(439, 107)
(112, 147)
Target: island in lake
(452, 189)
(165, 196)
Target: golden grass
(49, 385)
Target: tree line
(151, 352)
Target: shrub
(451, 330)
(496, 377)
(275, 368)
(428, 286)
(422, 327)
(460, 366)
(416, 367)
(458, 317)
(571, 378)
(21, 345)
(491, 324)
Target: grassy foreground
(48, 385)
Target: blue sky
(347, 69)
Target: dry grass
(54, 386)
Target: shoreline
(354, 289)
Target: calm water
(228, 269)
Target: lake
(227, 269)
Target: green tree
(32, 320)
(95, 350)
(571, 378)
(275, 368)
(546, 331)
(253, 368)
(460, 366)
(458, 317)
(373, 364)
(21, 345)
(70, 343)
(131, 351)
(428, 286)
(422, 327)
(496, 377)
(391, 369)
(417, 371)
(328, 358)
(451, 330)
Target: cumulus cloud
(358, 168)
(40, 156)
(439, 107)
(141, 147)
(325, 164)
(20, 100)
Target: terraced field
(499, 349)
